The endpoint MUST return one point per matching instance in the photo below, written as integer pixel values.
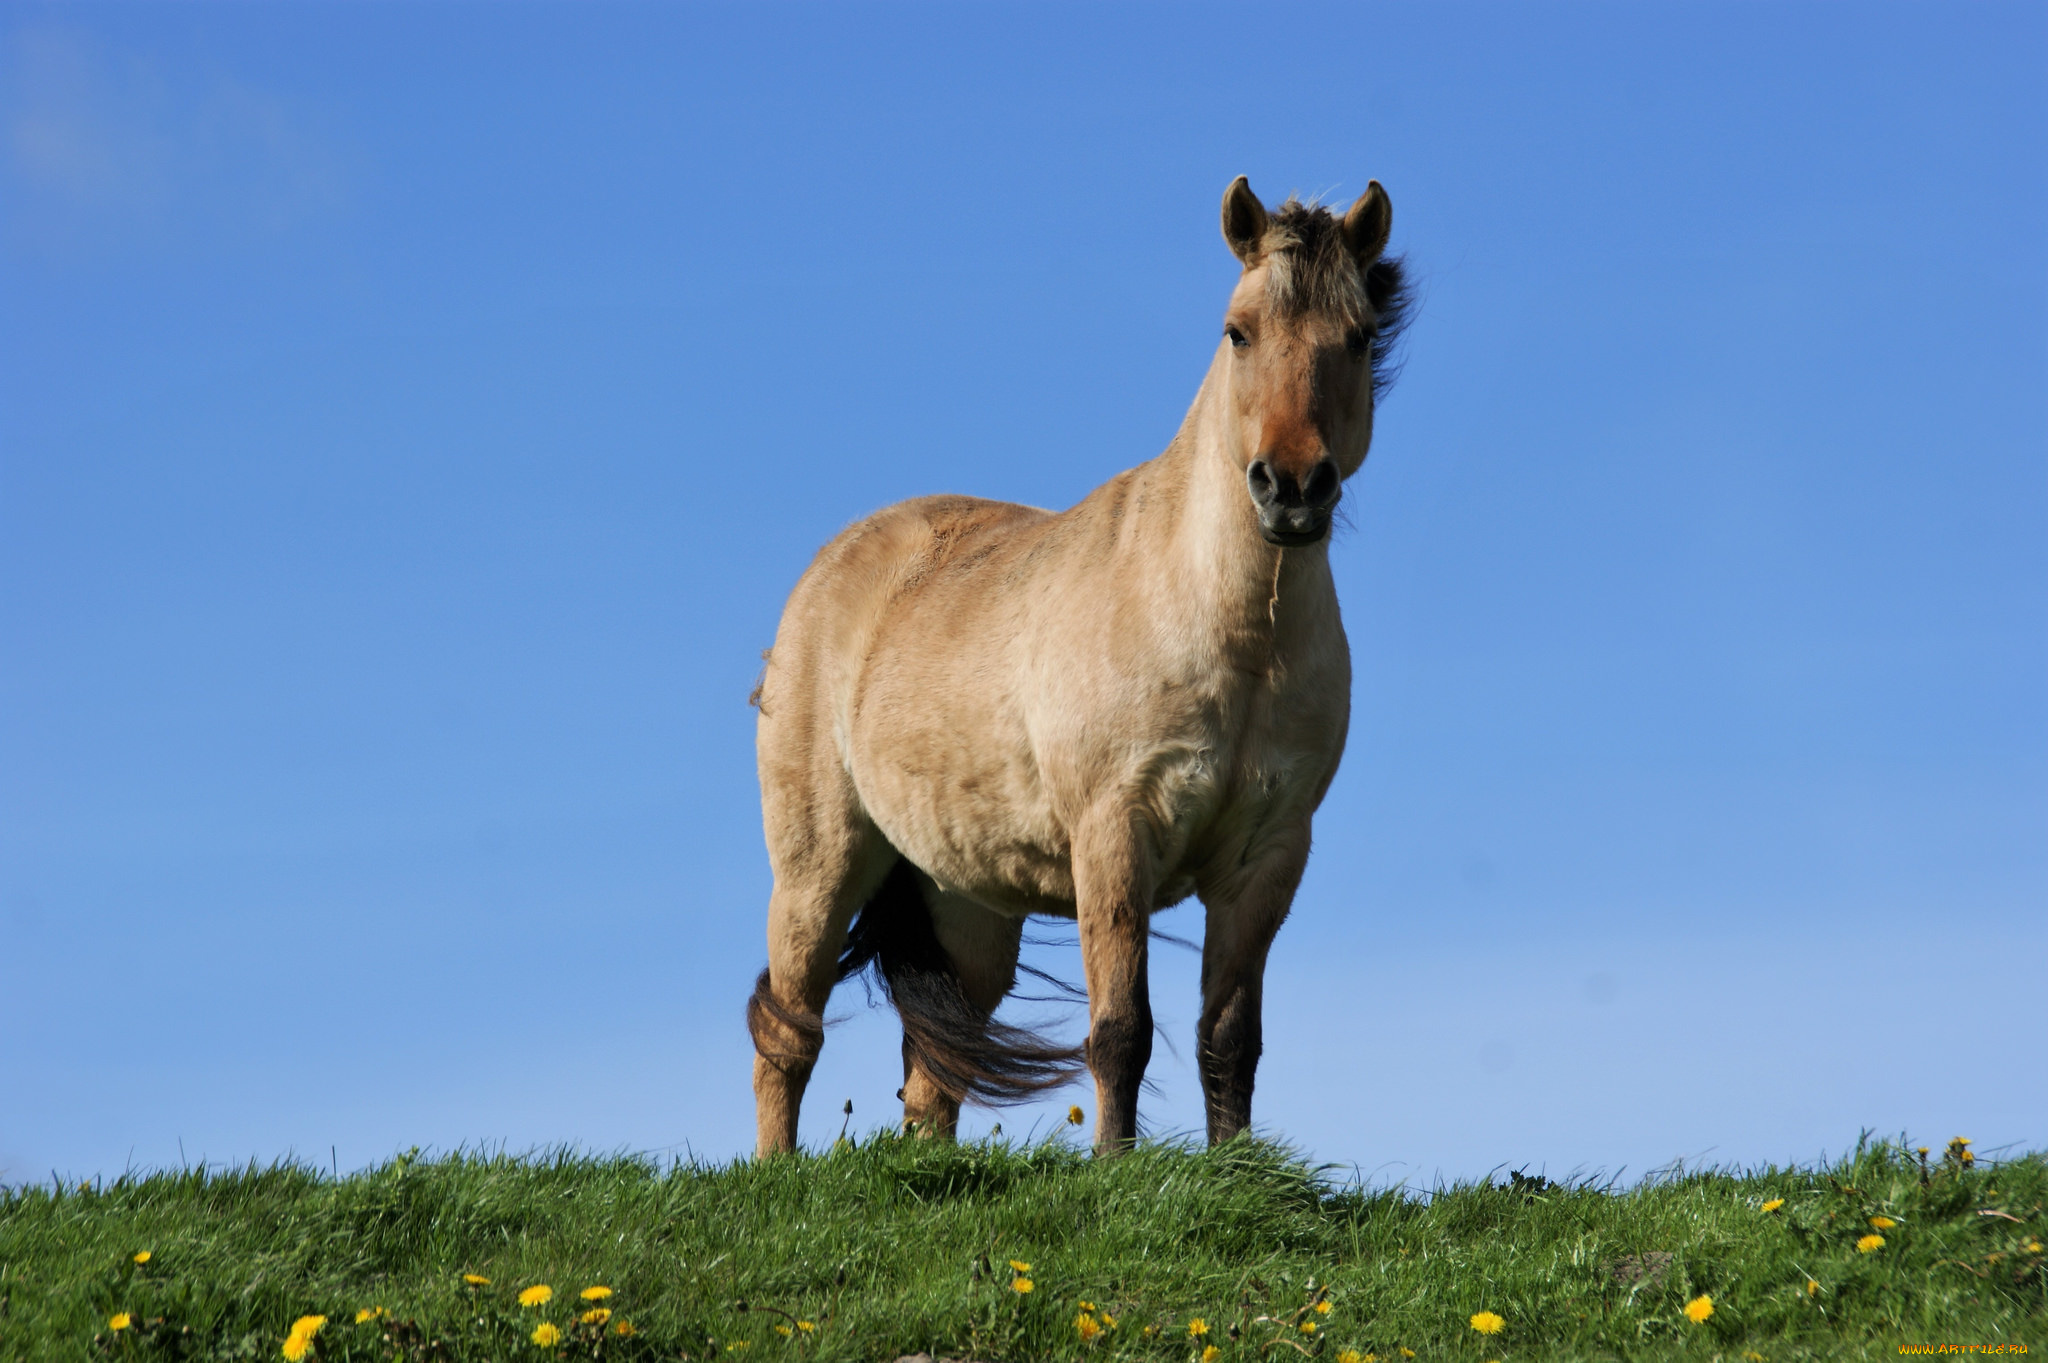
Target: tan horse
(976, 711)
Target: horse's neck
(1228, 584)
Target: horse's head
(1305, 349)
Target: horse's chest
(1223, 787)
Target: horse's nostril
(1323, 484)
(1259, 479)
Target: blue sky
(389, 399)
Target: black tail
(967, 1053)
(806, 1031)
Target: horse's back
(869, 572)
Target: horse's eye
(1236, 337)
(1358, 340)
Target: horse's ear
(1244, 220)
(1368, 222)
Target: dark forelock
(1311, 272)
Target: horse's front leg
(1244, 911)
(1113, 903)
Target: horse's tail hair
(966, 1052)
(804, 1032)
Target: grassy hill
(900, 1245)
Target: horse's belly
(984, 831)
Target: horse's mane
(1310, 270)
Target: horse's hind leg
(828, 859)
(982, 947)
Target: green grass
(901, 1245)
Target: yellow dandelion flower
(546, 1335)
(784, 1331)
(143, 1257)
(1350, 1356)
(1085, 1326)
(1699, 1308)
(1087, 1305)
(806, 1326)
(369, 1313)
(1883, 1222)
(299, 1342)
(1813, 1287)
(1407, 1352)
(540, 1294)
(624, 1329)
(598, 1315)
(1307, 1327)
(476, 1280)
(598, 1293)
(1108, 1321)
(1323, 1307)
(1019, 1266)
(1488, 1323)
(1074, 1115)
(1022, 1285)
(736, 1346)
(1870, 1244)
(1197, 1328)
(1752, 1356)
(2032, 1247)
(1211, 1353)
(120, 1320)
(1774, 1204)
(1149, 1331)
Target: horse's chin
(1295, 539)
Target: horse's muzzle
(1294, 513)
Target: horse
(976, 711)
